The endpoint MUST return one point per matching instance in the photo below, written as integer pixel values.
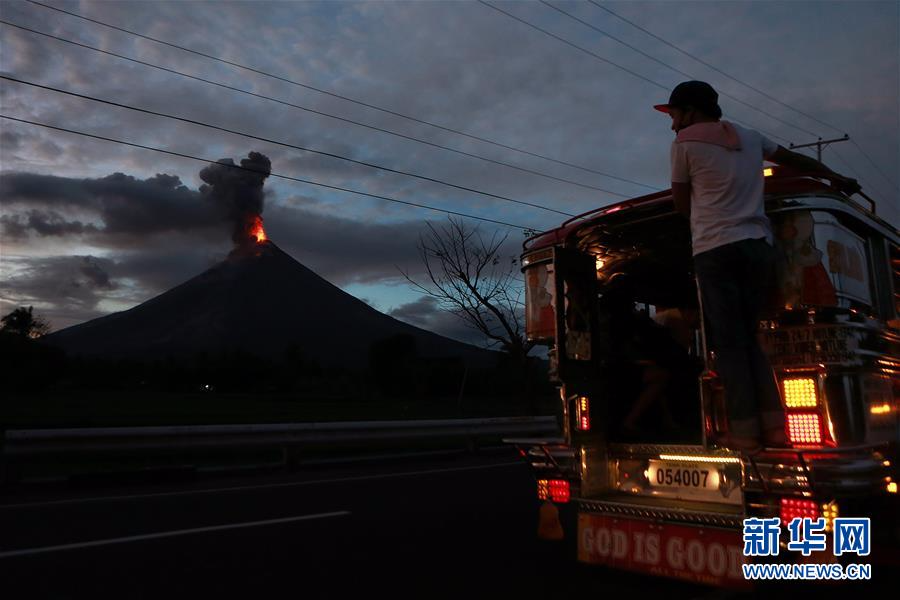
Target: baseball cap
(698, 94)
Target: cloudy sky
(561, 105)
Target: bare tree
(468, 277)
(22, 322)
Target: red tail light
(559, 490)
(793, 508)
(806, 410)
(805, 429)
(556, 490)
(583, 413)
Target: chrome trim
(654, 450)
(831, 475)
(681, 515)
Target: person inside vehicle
(638, 344)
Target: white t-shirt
(726, 189)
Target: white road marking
(256, 487)
(167, 534)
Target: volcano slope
(259, 300)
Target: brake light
(583, 413)
(800, 392)
(805, 428)
(556, 490)
(559, 490)
(793, 508)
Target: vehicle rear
(664, 498)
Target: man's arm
(787, 158)
(681, 195)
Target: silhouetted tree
(468, 277)
(24, 323)
(26, 363)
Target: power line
(346, 98)
(572, 44)
(744, 83)
(877, 168)
(844, 162)
(877, 190)
(286, 177)
(276, 142)
(317, 112)
(667, 65)
(717, 70)
(602, 59)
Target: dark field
(129, 408)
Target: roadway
(443, 527)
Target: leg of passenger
(760, 279)
(720, 273)
(733, 366)
(771, 411)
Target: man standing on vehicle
(717, 182)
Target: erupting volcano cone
(259, 300)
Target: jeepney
(672, 503)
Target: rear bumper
(862, 471)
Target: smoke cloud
(122, 205)
(238, 191)
(115, 205)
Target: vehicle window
(821, 262)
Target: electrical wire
(677, 70)
(310, 110)
(276, 142)
(346, 98)
(607, 61)
(744, 83)
(714, 68)
(574, 45)
(279, 176)
(877, 168)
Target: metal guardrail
(46, 442)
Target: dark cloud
(94, 274)
(345, 250)
(71, 289)
(43, 223)
(121, 204)
(65, 289)
(417, 312)
(427, 314)
(10, 141)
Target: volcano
(259, 300)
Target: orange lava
(257, 231)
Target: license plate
(700, 554)
(700, 477)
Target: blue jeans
(735, 280)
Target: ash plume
(238, 191)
